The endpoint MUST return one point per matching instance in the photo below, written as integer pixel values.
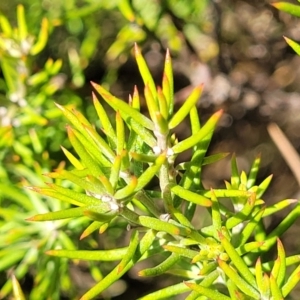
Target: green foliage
(211, 239)
(26, 138)
(294, 10)
(290, 8)
(114, 173)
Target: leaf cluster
(114, 168)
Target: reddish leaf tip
(136, 50)
(291, 201)
(188, 284)
(219, 112)
(50, 252)
(275, 4)
(83, 235)
(33, 188)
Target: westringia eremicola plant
(114, 170)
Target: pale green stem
(165, 173)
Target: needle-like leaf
(186, 107)
(125, 110)
(197, 137)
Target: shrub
(115, 167)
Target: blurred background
(236, 48)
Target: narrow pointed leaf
(163, 105)
(58, 215)
(290, 8)
(135, 103)
(224, 193)
(208, 268)
(108, 188)
(84, 184)
(144, 71)
(97, 255)
(209, 293)
(162, 268)
(133, 244)
(285, 224)
(237, 260)
(64, 195)
(253, 172)
(162, 124)
(182, 219)
(249, 247)
(143, 157)
(194, 120)
(127, 190)
(249, 228)
(130, 215)
(215, 212)
(272, 209)
(5, 25)
(242, 215)
(206, 282)
(259, 275)
(125, 110)
(295, 46)
(73, 160)
(238, 281)
(213, 158)
(159, 225)
(42, 38)
(185, 109)
(90, 229)
(105, 122)
(266, 290)
(100, 143)
(73, 117)
(263, 186)
(197, 137)
(83, 199)
(114, 275)
(167, 292)
(150, 172)
(120, 133)
(291, 260)
(275, 290)
(86, 158)
(292, 281)
(233, 290)
(281, 260)
(115, 171)
(151, 102)
(191, 196)
(142, 132)
(148, 202)
(22, 25)
(168, 84)
(17, 291)
(235, 179)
